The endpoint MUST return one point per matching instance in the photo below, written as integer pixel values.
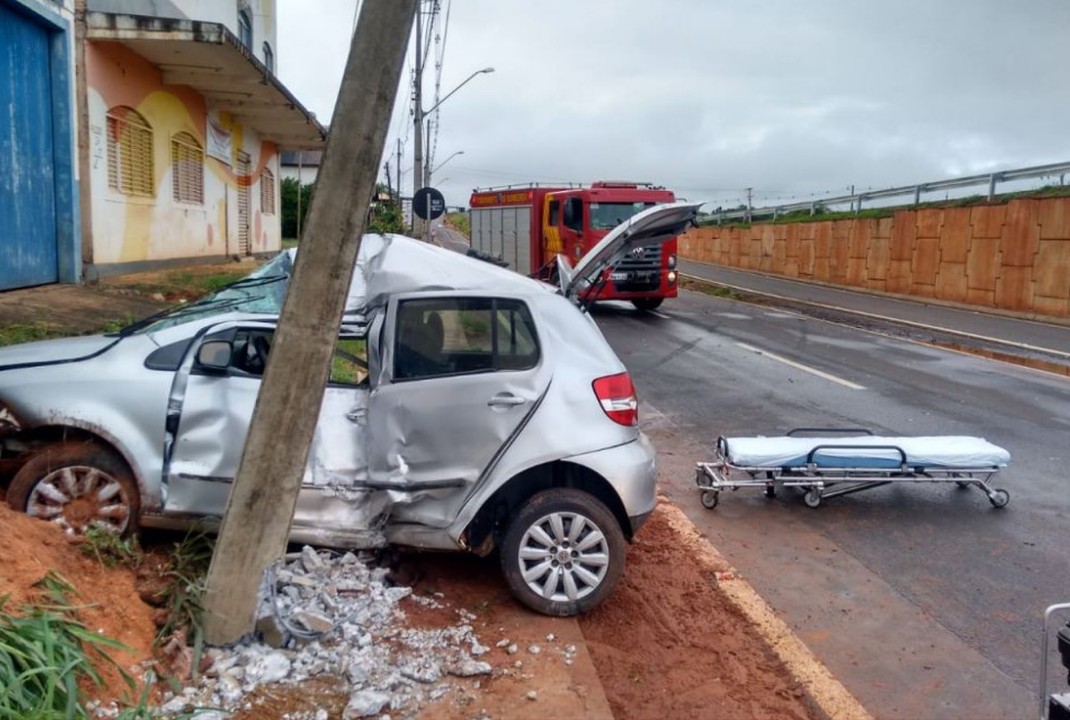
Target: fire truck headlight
(672, 277)
(672, 261)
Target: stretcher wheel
(999, 497)
(709, 499)
(770, 491)
(812, 498)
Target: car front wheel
(78, 486)
(563, 552)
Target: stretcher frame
(818, 483)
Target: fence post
(992, 186)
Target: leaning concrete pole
(262, 501)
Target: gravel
(333, 615)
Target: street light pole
(419, 174)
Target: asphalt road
(923, 599)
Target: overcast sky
(709, 97)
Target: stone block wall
(1013, 256)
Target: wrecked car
(468, 408)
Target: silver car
(469, 408)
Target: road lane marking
(889, 318)
(660, 315)
(800, 366)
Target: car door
(456, 378)
(209, 414)
(647, 228)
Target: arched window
(187, 169)
(269, 57)
(245, 28)
(130, 167)
(267, 192)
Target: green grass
(821, 215)
(109, 549)
(44, 653)
(17, 334)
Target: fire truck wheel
(645, 304)
(563, 552)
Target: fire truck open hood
(649, 227)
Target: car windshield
(262, 291)
(609, 215)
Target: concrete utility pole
(262, 501)
(418, 123)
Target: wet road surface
(923, 599)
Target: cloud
(787, 98)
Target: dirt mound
(668, 643)
(107, 598)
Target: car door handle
(506, 400)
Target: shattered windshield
(606, 215)
(262, 291)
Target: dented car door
(209, 414)
(457, 377)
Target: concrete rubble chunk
(469, 668)
(504, 642)
(313, 621)
(270, 632)
(532, 695)
(364, 703)
(534, 649)
(311, 560)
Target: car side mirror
(215, 355)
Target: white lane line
(889, 318)
(800, 366)
(661, 315)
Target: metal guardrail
(992, 180)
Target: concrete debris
(364, 703)
(534, 649)
(504, 642)
(512, 649)
(322, 614)
(551, 637)
(532, 695)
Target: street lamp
(419, 113)
(439, 166)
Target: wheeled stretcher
(826, 462)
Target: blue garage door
(27, 174)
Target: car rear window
(452, 336)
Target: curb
(828, 694)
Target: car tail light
(617, 397)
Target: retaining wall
(1013, 256)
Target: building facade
(175, 121)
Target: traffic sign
(428, 203)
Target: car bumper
(630, 470)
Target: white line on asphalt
(661, 315)
(800, 366)
(901, 321)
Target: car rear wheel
(647, 303)
(563, 552)
(78, 486)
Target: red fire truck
(527, 227)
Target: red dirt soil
(107, 598)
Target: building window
(245, 28)
(187, 169)
(267, 192)
(269, 58)
(130, 167)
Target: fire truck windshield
(606, 215)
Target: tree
(289, 206)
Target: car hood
(52, 352)
(650, 227)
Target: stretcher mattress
(864, 451)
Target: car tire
(563, 552)
(77, 485)
(646, 304)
